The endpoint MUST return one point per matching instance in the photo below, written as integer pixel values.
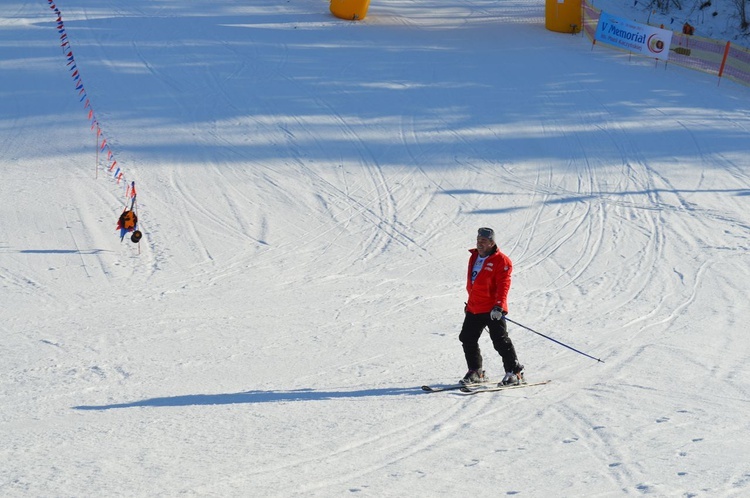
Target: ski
(455, 387)
(468, 390)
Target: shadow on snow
(251, 397)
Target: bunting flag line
(102, 144)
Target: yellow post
(353, 10)
(563, 16)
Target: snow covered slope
(308, 188)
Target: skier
(488, 282)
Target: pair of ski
(482, 387)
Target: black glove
(497, 313)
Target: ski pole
(553, 340)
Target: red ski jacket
(491, 285)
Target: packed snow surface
(308, 188)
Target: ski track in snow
(308, 189)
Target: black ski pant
(471, 331)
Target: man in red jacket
(488, 282)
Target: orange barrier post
(353, 10)
(723, 61)
(563, 16)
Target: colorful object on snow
(563, 16)
(128, 221)
(351, 10)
